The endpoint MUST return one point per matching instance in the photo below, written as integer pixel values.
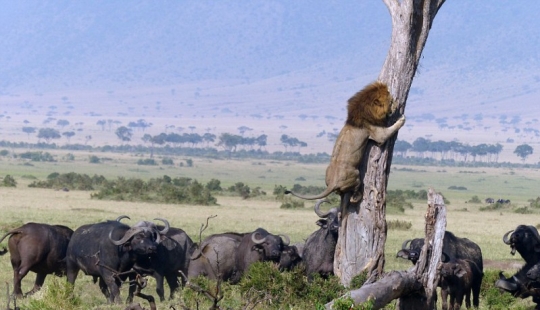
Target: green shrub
(9, 181)
(457, 188)
(523, 210)
(93, 159)
(535, 203)
(189, 162)
(70, 180)
(56, 295)
(69, 157)
(147, 162)
(4, 153)
(214, 185)
(164, 190)
(292, 204)
(491, 296)
(167, 161)
(475, 199)
(38, 156)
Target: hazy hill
(267, 59)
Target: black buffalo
(107, 249)
(172, 255)
(457, 277)
(318, 254)
(215, 257)
(526, 241)
(454, 248)
(36, 247)
(258, 246)
(290, 257)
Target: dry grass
(22, 204)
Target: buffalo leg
(444, 297)
(103, 287)
(18, 275)
(40, 279)
(160, 290)
(172, 280)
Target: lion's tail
(326, 192)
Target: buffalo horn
(286, 239)
(404, 245)
(317, 209)
(167, 226)
(118, 219)
(505, 237)
(255, 240)
(535, 232)
(130, 233)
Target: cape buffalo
(172, 255)
(526, 241)
(318, 254)
(258, 246)
(36, 247)
(457, 278)
(106, 249)
(290, 257)
(454, 248)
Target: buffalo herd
(113, 252)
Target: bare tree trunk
(415, 288)
(362, 234)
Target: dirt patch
(502, 264)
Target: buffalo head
(526, 241)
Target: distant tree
(62, 123)
(48, 134)
(29, 130)
(124, 134)
(261, 141)
(208, 138)
(401, 147)
(87, 138)
(153, 140)
(68, 135)
(192, 128)
(290, 141)
(141, 124)
(229, 142)
(242, 129)
(101, 123)
(523, 151)
(26, 121)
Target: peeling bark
(415, 288)
(362, 235)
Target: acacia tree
(362, 235)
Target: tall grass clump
(58, 294)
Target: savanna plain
(465, 218)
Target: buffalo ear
(257, 247)
(403, 254)
(460, 272)
(322, 223)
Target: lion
(367, 111)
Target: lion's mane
(371, 105)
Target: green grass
(74, 208)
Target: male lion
(367, 112)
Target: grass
(74, 208)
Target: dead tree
(416, 287)
(362, 235)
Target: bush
(167, 161)
(4, 153)
(38, 156)
(56, 295)
(523, 210)
(189, 162)
(214, 185)
(93, 159)
(475, 199)
(70, 180)
(9, 181)
(292, 204)
(164, 190)
(534, 203)
(147, 162)
(457, 188)
(492, 296)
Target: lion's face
(370, 105)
